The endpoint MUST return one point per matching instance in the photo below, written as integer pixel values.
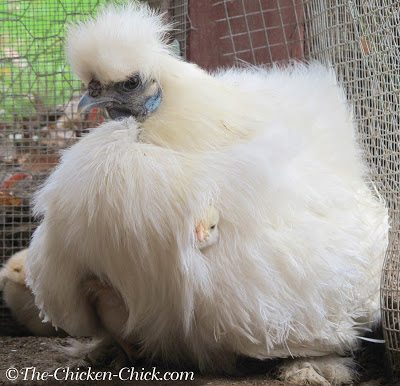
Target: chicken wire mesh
(38, 102)
(261, 32)
(38, 95)
(361, 39)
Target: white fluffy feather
(141, 34)
(296, 265)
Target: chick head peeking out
(207, 232)
(131, 97)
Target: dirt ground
(22, 352)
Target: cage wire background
(38, 95)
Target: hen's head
(119, 55)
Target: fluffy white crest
(119, 41)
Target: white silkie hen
(301, 241)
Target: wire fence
(38, 99)
(361, 40)
(262, 32)
(38, 95)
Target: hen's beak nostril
(85, 103)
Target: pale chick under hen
(207, 232)
(111, 310)
(109, 306)
(19, 298)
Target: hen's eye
(213, 227)
(132, 83)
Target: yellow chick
(207, 232)
(18, 297)
(111, 310)
(112, 314)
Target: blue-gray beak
(87, 102)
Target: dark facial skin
(132, 97)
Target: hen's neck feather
(200, 112)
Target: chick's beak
(200, 232)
